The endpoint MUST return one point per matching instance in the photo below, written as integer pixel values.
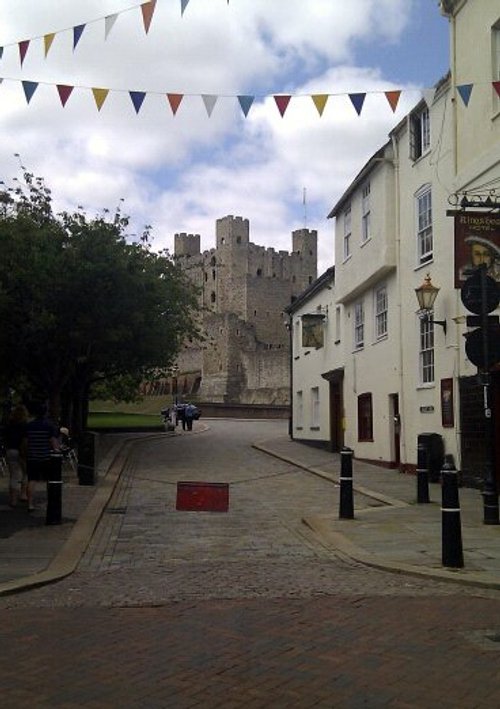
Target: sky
(182, 172)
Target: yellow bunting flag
(320, 102)
(47, 41)
(100, 95)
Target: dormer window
(420, 133)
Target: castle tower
(186, 244)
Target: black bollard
(346, 508)
(422, 474)
(452, 552)
(54, 490)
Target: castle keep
(244, 289)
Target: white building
(393, 374)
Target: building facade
(395, 372)
(243, 289)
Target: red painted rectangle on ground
(202, 496)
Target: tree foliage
(80, 303)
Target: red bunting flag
(23, 48)
(496, 86)
(175, 101)
(148, 9)
(64, 92)
(393, 98)
(282, 102)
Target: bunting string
(245, 102)
(147, 10)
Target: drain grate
(116, 510)
(494, 638)
(488, 639)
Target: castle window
(255, 312)
(310, 279)
(310, 253)
(274, 275)
(238, 239)
(222, 241)
(206, 276)
(213, 261)
(213, 274)
(212, 297)
(293, 279)
(259, 272)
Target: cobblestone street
(240, 609)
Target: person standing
(42, 437)
(15, 448)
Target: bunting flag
(64, 92)
(137, 99)
(29, 89)
(319, 101)
(148, 9)
(23, 48)
(100, 95)
(465, 91)
(77, 33)
(246, 103)
(282, 102)
(109, 21)
(393, 98)
(175, 101)
(209, 101)
(184, 4)
(1, 52)
(357, 101)
(47, 42)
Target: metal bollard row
(452, 551)
(346, 507)
(54, 490)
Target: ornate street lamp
(426, 296)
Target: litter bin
(434, 447)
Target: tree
(81, 303)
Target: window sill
(365, 242)
(426, 264)
(382, 338)
(429, 385)
(347, 258)
(365, 440)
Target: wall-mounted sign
(426, 409)
(447, 408)
(477, 242)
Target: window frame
(419, 132)
(424, 228)
(365, 213)
(426, 352)
(381, 324)
(347, 252)
(365, 417)
(315, 412)
(359, 325)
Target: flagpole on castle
(304, 202)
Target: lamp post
(288, 322)
(426, 296)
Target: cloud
(181, 173)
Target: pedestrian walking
(189, 415)
(15, 453)
(42, 437)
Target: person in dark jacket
(42, 437)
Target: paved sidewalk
(396, 533)
(390, 532)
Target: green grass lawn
(117, 419)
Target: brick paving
(243, 609)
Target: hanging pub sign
(312, 330)
(477, 242)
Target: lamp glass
(426, 294)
